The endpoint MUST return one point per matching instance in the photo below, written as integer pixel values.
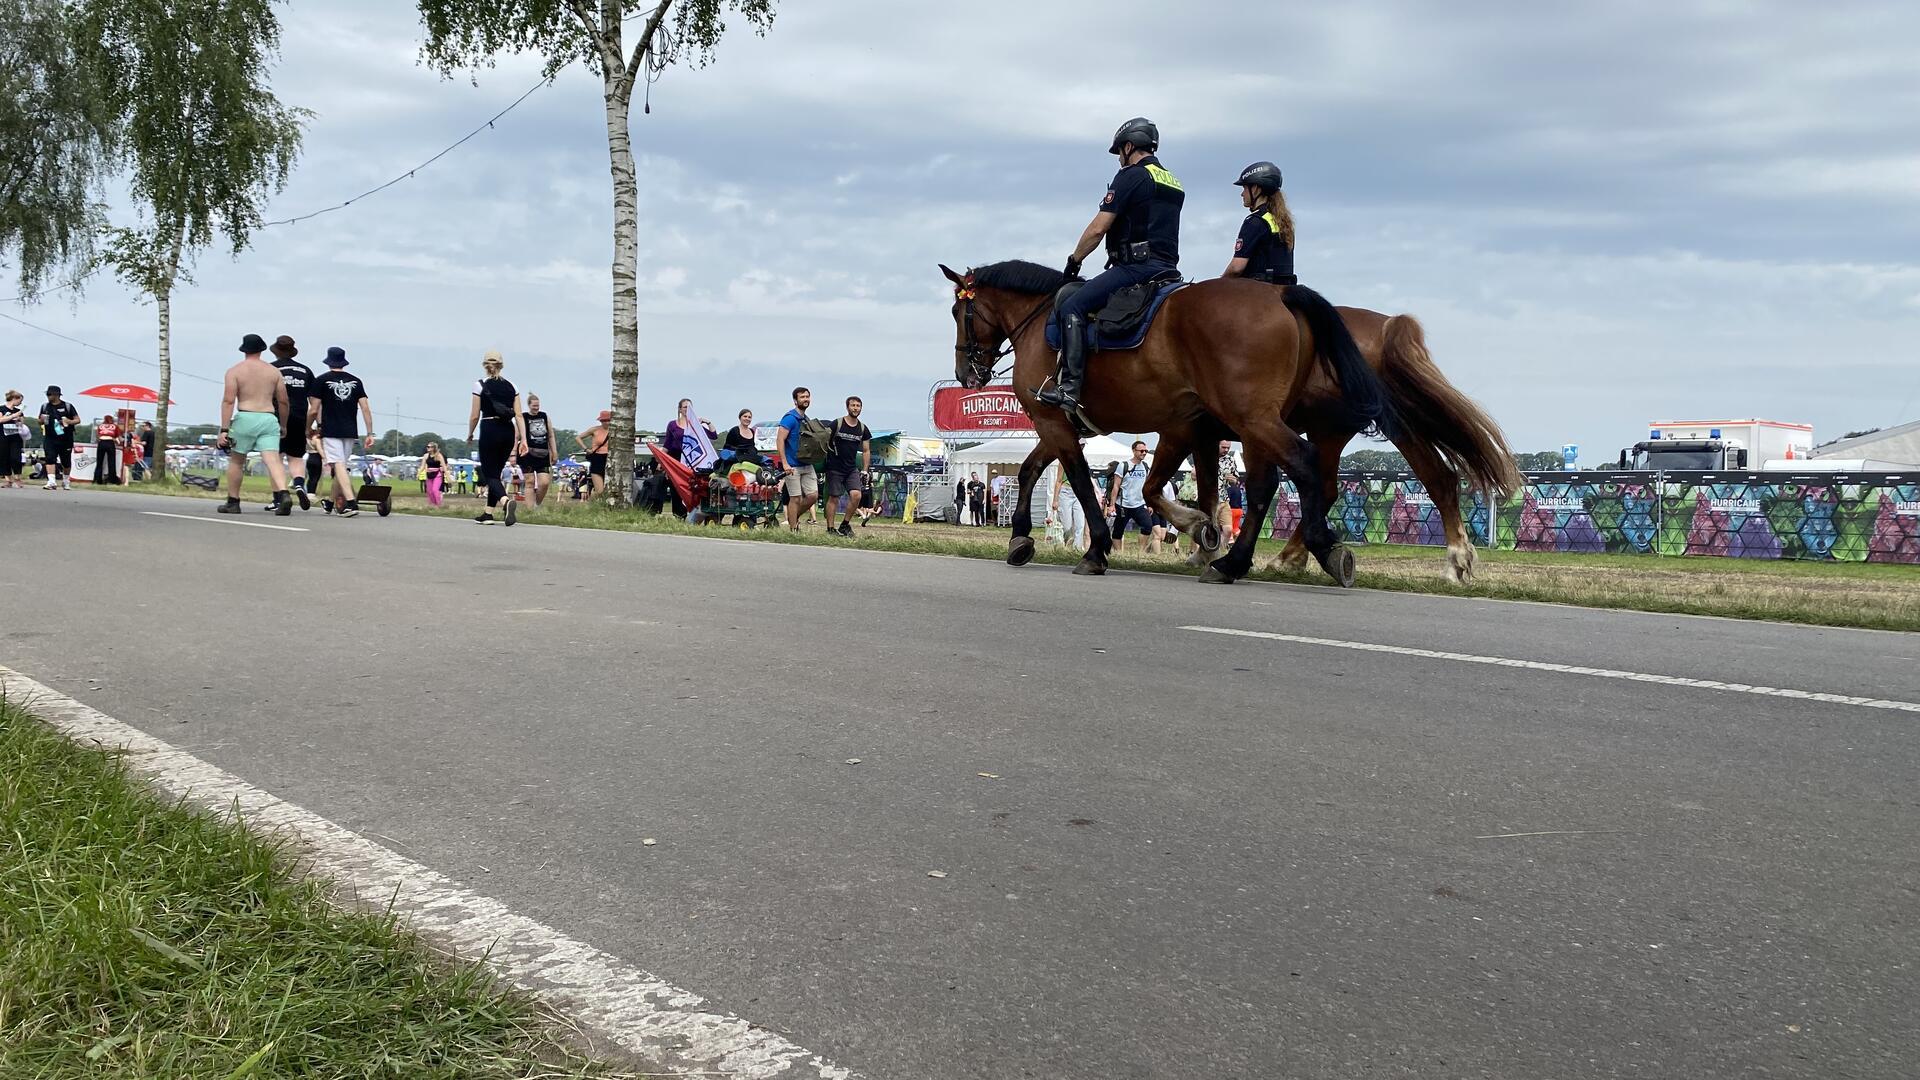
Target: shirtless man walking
(253, 411)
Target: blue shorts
(1142, 520)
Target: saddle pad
(1129, 340)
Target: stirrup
(1049, 393)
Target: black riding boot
(1065, 392)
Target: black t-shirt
(1260, 244)
(496, 398)
(976, 490)
(539, 432)
(1146, 200)
(299, 380)
(845, 455)
(56, 421)
(147, 439)
(741, 444)
(339, 392)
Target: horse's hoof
(1207, 536)
(1338, 563)
(1020, 551)
(1089, 568)
(1214, 575)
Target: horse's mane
(1018, 275)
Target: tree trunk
(626, 316)
(157, 468)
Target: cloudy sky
(1644, 211)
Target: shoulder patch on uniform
(1238, 244)
(1163, 177)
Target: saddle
(1123, 321)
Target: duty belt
(1131, 253)
(1272, 278)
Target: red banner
(990, 408)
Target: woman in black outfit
(739, 445)
(13, 438)
(496, 413)
(537, 459)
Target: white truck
(1717, 445)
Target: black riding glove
(1073, 267)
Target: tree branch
(642, 47)
(609, 59)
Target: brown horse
(1220, 360)
(1445, 437)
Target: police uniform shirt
(1261, 245)
(1146, 199)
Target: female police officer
(1264, 250)
(1140, 219)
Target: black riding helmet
(1264, 175)
(1139, 131)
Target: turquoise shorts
(252, 431)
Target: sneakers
(300, 492)
(282, 504)
(231, 506)
(348, 509)
(844, 529)
(52, 485)
(483, 519)
(513, 513)
(326, 506)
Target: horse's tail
(1434, 413)
(1373, 411)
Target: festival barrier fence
(1844, 517)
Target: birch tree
(463, 34)
(204, 141)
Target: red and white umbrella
(140, 395)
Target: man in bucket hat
(253, 402)
(339, 392)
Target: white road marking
(1572, 669)
(634, 1009)
(223, 521)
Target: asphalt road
(1194, 856)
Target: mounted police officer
(1264, 250)
(1140, 219)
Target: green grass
(141, 939)
(1877, 596)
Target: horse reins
(972, 349)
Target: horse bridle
(971, 348)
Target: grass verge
(141, 939)
(1874, 596)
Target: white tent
(1101, 451)
(1002, 456)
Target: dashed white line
(634, 1009)
(1572, 669)
(223, 521)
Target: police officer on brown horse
(1264, 249)
(1140, 220)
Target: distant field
(1871, 595)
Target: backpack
(816, 440)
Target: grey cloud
(1605, 215)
